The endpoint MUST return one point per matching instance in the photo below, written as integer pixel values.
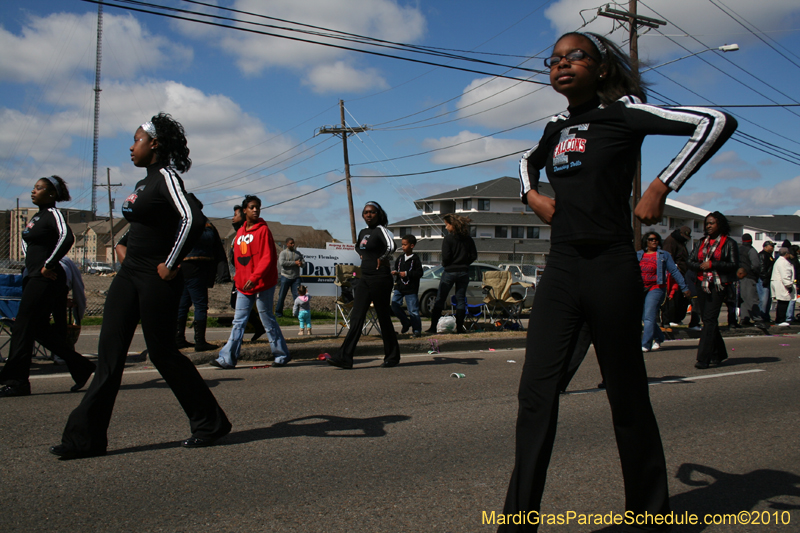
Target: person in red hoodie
(255, 280)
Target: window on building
(796, 237)
(759, 235)
(697, 225)
(517, 232)
(663, 221)
(427, 207)
(780, 236)
(483, 204)
(466, 204)
(473, 231)
(501, 232)
(533, 233)
(425, 257)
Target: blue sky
(251, 103)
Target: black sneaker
(21, 389)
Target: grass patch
(286, 320)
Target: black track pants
(578, 287)
(376, 289)
(42, 297)
(136, 295)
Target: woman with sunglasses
(715, 258)
(654, 264)
(375, 245)
(46, 239)
(590, 155)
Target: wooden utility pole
(344, 131)
(111, 219)
(634, 20)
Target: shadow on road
(159, 383)
(721, 493)
(439, 360)
(307, 426)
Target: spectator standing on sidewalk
(782, 286)
(716, 259)
(749, 270)
(675, 245)
(767, 258)
(255, 280)
(290, 261)
(407, 272)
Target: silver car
(429, 285)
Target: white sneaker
(655, 347)
(645, 349)
(675, 324)
(784, 324)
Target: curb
(371, 346)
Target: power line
(441, 169)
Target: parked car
(97, 267)
(526, 273)
(429, 285)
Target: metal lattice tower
(97, 105)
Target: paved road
(408, 449)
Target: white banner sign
(319, 269)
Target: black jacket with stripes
(45, 240)
(590, 157)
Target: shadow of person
(733, 361)
(721, 493)
(439, 360)
(307, 426)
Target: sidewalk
(306, 348)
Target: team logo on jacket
(569, 143)
(131, 199)
(242, 243)
(31, 223)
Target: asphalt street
(406, 449)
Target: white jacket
(782, 282)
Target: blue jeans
(286, 284)
(790, 311)
(652, 302)
(194, 292)
(229, 354)
(764, 299)
(412, 304)
(461, 281)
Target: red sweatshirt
(256, 260)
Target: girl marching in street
(590, 156)
(45, 241)
(164, 226)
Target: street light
(724, 48)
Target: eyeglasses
(652, 239)
(575, 55)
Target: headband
(597, 44)
(55, 183)
(149, 129)
(375, 205)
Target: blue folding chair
(472, 317)
(10, 296)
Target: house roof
(479, 218)
(769, 223)
(505, 187)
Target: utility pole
(344, 131)
(634, 21)
(111, 218)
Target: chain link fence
(96, 283)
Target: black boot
(200, 344)
(436, 314)
(180, 336)
(460, 321)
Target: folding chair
(343, 306)
(502, 308)
(473, 315)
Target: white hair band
(150, 129)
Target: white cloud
(50, 49)
(502, 103)
(733, 167)
(255, 53)
(783, 197)
(690, 16)
(471, 148)
(339, 76)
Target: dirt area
(219, 300)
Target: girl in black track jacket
(164, 226)
(45, 240)
(591, 155)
